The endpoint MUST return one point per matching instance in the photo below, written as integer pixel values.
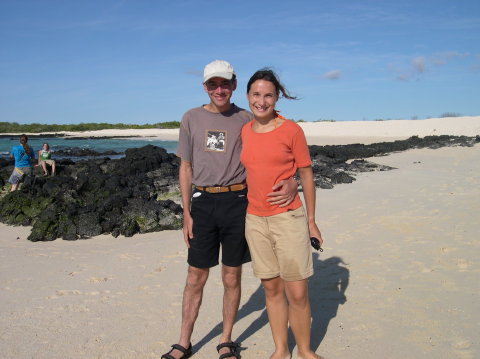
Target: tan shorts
(49, 162)
(280, 245)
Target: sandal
(233, 350)
(187, 353)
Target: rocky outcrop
(332, 165)
(134, 194)
(83, 152)
(88, 198)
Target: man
(214, 214)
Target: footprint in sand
(462, 348)
(449, 284)
(61, 293)
(461, 344)
(182, 253)
(127, 257)
(99, 279)
(447, 249)
(462, 264)
(154, 272)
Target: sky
(139, 62)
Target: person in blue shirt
(23, 155)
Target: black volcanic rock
(88, 198)
(330, 163)
(84, 152)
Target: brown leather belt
(219, 189)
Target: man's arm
(283, 192)
(185, 179)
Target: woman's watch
(297, 179)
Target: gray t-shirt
(211, 143)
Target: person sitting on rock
(45, 158)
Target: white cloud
(443, 57)
(332, 75)
(413, 71)
(418, 64)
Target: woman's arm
(306, 176)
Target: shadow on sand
(326, 291)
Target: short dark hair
(268, 74)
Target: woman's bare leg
(277, 309)
(299, 316)
(44, 167)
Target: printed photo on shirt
(215, 140)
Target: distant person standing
(45, 158)
(23, 155)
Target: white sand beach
(335, 133)
(398, 277)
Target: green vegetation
(14, 127)
(450, 114)
(319, 120)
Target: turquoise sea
(98, 145)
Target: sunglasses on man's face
(213, 85)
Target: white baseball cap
(218, 68)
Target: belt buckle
(217, 189)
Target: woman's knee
(273, 287)
(297, 293)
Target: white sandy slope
(402, 244)
(344, 132)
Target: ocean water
(98, 145)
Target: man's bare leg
(232, 291)
(192, 300)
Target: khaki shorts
(280, 245)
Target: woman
(278, 237)
(44, 159)
(23, 155)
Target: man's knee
(196, 277)
(231, 276)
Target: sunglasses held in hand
(315, 242)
